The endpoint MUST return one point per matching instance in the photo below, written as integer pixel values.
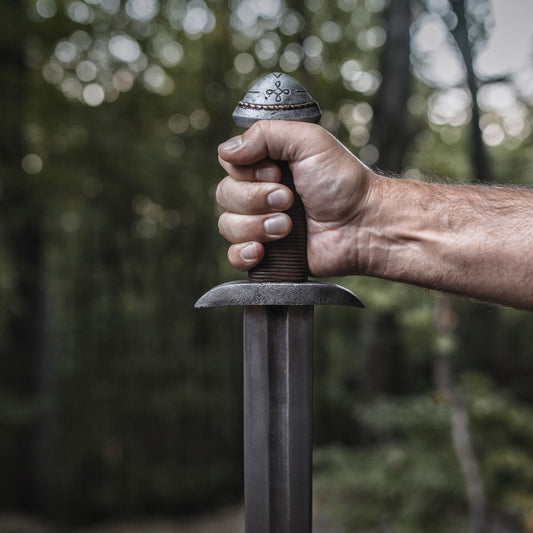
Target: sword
(278, 305)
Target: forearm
(471, 241)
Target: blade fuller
(278, 382)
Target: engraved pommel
(276, 96)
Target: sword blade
(278, 385)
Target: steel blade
(278, 384)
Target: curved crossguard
(280, 97)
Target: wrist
(369, 256)
(398, 229)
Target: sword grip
(277, 96)
(286, 259)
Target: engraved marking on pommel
(278, 92)
(275, 107)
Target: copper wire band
(276, 107)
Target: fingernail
(276, 225)
(232, 144)
(278, 199)
(248, 253)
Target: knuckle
(221, 225)
(235, 258)
(218, 194)
(249, 199)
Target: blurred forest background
(117, 399)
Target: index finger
(265, 170)
(275, 139)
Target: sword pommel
(276, 96)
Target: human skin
(474, 241)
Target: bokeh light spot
(156, 80)
(46, 8)
(142, 10)
(200, 119)
(369, 154)
(93, 94)
(86, 70)
(171, 54)
(123, 80)
(65, 52)
(291, 23)
(493, 134)
(198, 19)
(124, 48)
(331, 32)
(71, 87)
(53, 72)
(31, 164)
(110, 6)
(244, 63)
(80, 12)
(178, 123)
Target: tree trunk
(22, 226)
(389, 132)
(480, 163)
(385, 363)
(459, 418)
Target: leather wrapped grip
(286, 259)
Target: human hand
(471, 241)
(333, 184)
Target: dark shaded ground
(223, 521)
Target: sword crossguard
(280, 97)
(246, 293)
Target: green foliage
(504, 436)
(407, 478)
